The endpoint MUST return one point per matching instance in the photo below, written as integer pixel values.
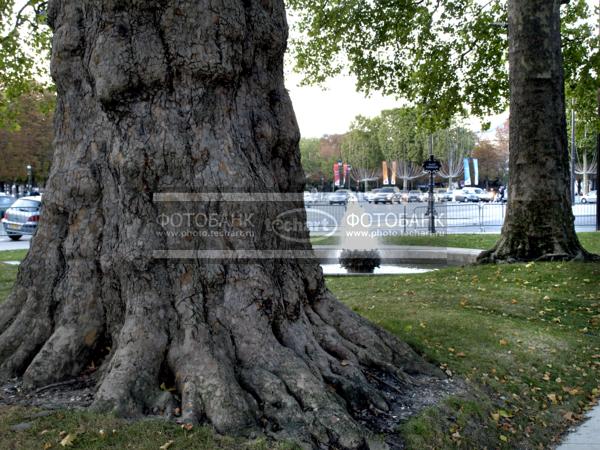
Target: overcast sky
(331, 110)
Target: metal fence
(408, 218)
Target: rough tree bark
(539, 222)
(186, 96)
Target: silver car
(339, 197)
(590, 197)
(465, 195)
(370, 196)
(389, 194)
(6, 202)
(22, 217)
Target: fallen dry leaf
(68, 440)
(503, 413)
(570, 390)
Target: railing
(407, 218)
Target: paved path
(586, 436)
(7, 244)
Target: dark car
(5, 202)
(22, 217)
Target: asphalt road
(7, 244)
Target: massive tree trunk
(187, 97)
(539, 221)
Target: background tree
(400, 137)
(493, 162)
(24, 55)
(539, 164)
(189, 99)
(449, 59)
(451, 146)
(311, 158)
(361, 146)
(29, 140)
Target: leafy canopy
(449, 57)
(25, 42)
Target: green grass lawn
(590, 241)
(8, 274)
(89, 431)
(13, 255)
(324, 240)
(525, 338)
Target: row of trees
(28, 139)
(395, 136)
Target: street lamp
(29, 178)
(432, 166)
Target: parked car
(442, 195)
(413, 196)
(5, 202)
(465, 195)
(22, 217)
(308, 199)
(484, 196)
(388, 194)
(370, 196)
(339, 197)
(590, 197)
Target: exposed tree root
(512, 249)
(307, 376)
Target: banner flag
(386, 179)
(476, 172)
(348, 170)
(345, 178)
(394, 170)
(467, 172)
(336, 174)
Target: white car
(339, 197)
(465, 195)
(590, 197)
(370, 196)
(484, 196)
(309, 198)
